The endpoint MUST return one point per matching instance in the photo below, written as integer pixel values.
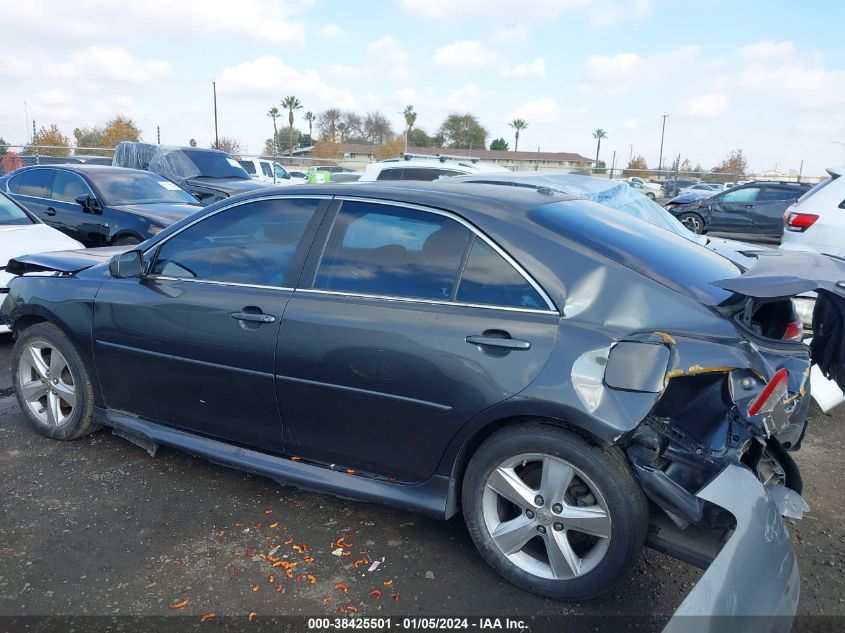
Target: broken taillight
(772, 393)
(799, 222)
(794, 330)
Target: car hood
(63, 261)
(167, 213)
(16, 240)
(231, 186)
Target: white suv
(269, 171)
(425, 167)
(816, 222)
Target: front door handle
(50, 211)
(255, 317)
(493, 341)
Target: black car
(755, 207)
(100, 205)
(208, 174)
(568, 377)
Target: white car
(425, 167)
(816, 222)
(702, 187)
(22, 234)
(650, 190)
(269, 171)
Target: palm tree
(599, 134)
(274, 114)
(290, 104)
(517, 124)
(410, 119)
(310, 117)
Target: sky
(766, 77)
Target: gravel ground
(98, 527)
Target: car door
(31, 188)
(191, 343)
(67, 215)
(733, 210)
(770, 206)
(386, 350)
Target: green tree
(4, 146)
(87, 138)
(309, 119)
(291, 103)
(463, 131)
(274, 114)
(499, 144)
(517, 125)
(418, 138)
(637, 166)
(410, 119)
(192, 142)
(120, 129)
(282, 142)
(53, 141)
(599, 134)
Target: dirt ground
(98, 527)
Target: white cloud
(626, 72)
(88, 66)
(605, 13)
(706, 106)
(541, 111)
(537, 68)
(767, 50)
(510, 35)
(332, 31)
(270, 75)
(465, 53)
(388, 58)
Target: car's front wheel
(650, 195)
(693, 222)
(553, 513)
(52, 385)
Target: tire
(693, 222)
(776, 466)
(126, 240)
(650, 195)
(64, 410)
(617, 514)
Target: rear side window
(489, 279)
(390, 174)
(248, 165)
(67, 186)
(266, 169)
(36, 183)
(769, 194)
(393, 251)
(254, 243)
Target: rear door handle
(255, 317)
(493, 341)
(50, 211)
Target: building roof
(483, 154)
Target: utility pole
(662, 134)
(216, 139)
(800, 171)
(26, 115)
(613, 164)
(158, 135)
(630, 152)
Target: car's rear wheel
(52, 385)
(650, 195)
(553, 513)
(693, 222)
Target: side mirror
(89, 203)
(128, 264)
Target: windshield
(10, 213)
(212, 164)
(280, 172)
(138, 188)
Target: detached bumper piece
(752, 585)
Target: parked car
(571, 379)
(673, 186)
(269, 171)
(208, 174)
(815, 221)
(651, 190)
(702, 187)
(99, 205)
(756, 207)
(22, 233)
(687, 198)
(295, 173)
(426, 167)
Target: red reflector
(794, 330)
(801, 220)
(771, 394)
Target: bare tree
(327, 124)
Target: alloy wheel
(46, 384)
(546, 516)
(692, 223)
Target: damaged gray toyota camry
(574, 381)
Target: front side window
(36, 183)
(281, 174)
(266, 169)
(749, 194)
(10, 213)
(393, 251)
(67, 186)
(253, 243)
